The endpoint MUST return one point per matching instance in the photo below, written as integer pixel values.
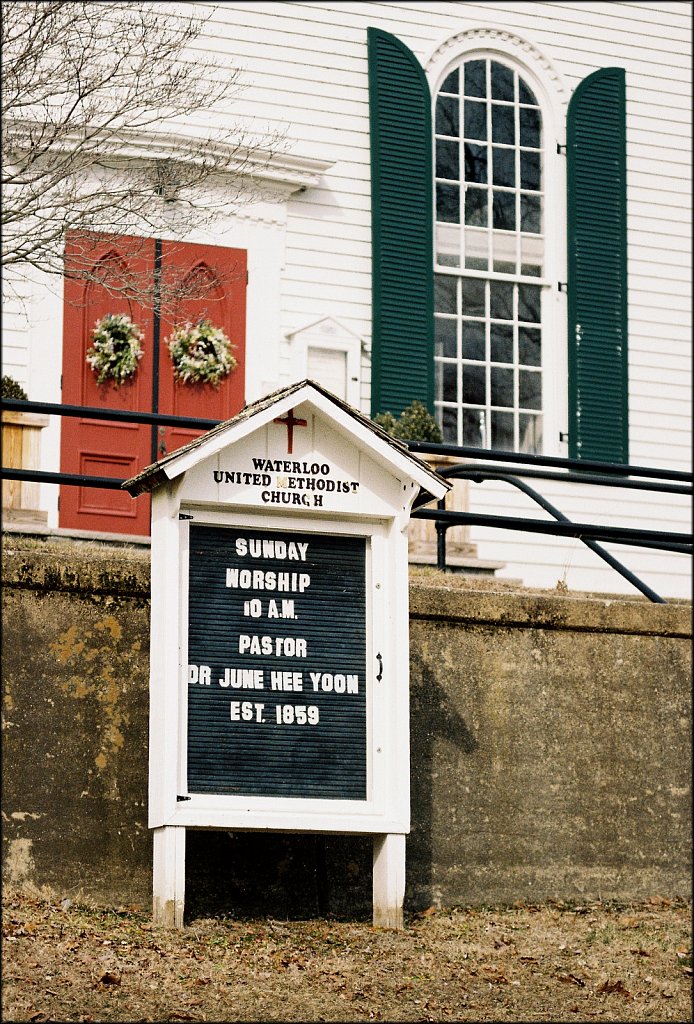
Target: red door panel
(102, 447)
(214, 280)
(217, 278)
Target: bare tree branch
(94, 93)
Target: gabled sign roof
(392, 454)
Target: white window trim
(552, 95)
(329, 333)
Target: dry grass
(77, 961)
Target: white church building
(482, 206)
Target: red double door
(194, 281)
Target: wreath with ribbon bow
(116, 349)
(201, 353)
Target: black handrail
(614, 534)
(492, 472)
(561, 518)
(584, 532)
(118, 415)
(584, 465)
(577, 471)
(40, 476)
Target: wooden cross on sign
(290, 422)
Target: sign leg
(388, 881)
(169, 881)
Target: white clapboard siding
(673, 358)
(668, 174)
(303, 71)
(15, 327)
(644, 249)
(667, 282)
(674, 412)
(646, 313)
(664, 260)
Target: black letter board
(276, 663)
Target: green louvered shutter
(597, 269)
(401, 227)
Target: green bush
(386, 421)
(415, 423)
(13, 389)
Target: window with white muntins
(490, 257)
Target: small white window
(329, 368)
(328, 352)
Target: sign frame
(386, 808)
(299, 461)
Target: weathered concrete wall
(551, 748)
(75, 682)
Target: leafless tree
(106, 110)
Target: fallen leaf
(109, 978)
(428, 912)
(494, 975)
(615, 986)
(570, 979)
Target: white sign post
(279, 680)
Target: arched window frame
(552, 97)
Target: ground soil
(73, 960)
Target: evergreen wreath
(201, 353)
(116, 348)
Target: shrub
(415, 423)
(386, 421)
(13, 389)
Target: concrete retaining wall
(551, 748)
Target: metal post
(441, 529)
(156, 339)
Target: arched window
(500, 272)
(489, 256)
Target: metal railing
(585, 472)
(155, 419)
(550, 468)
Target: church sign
(277, 693)
(279, 679)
